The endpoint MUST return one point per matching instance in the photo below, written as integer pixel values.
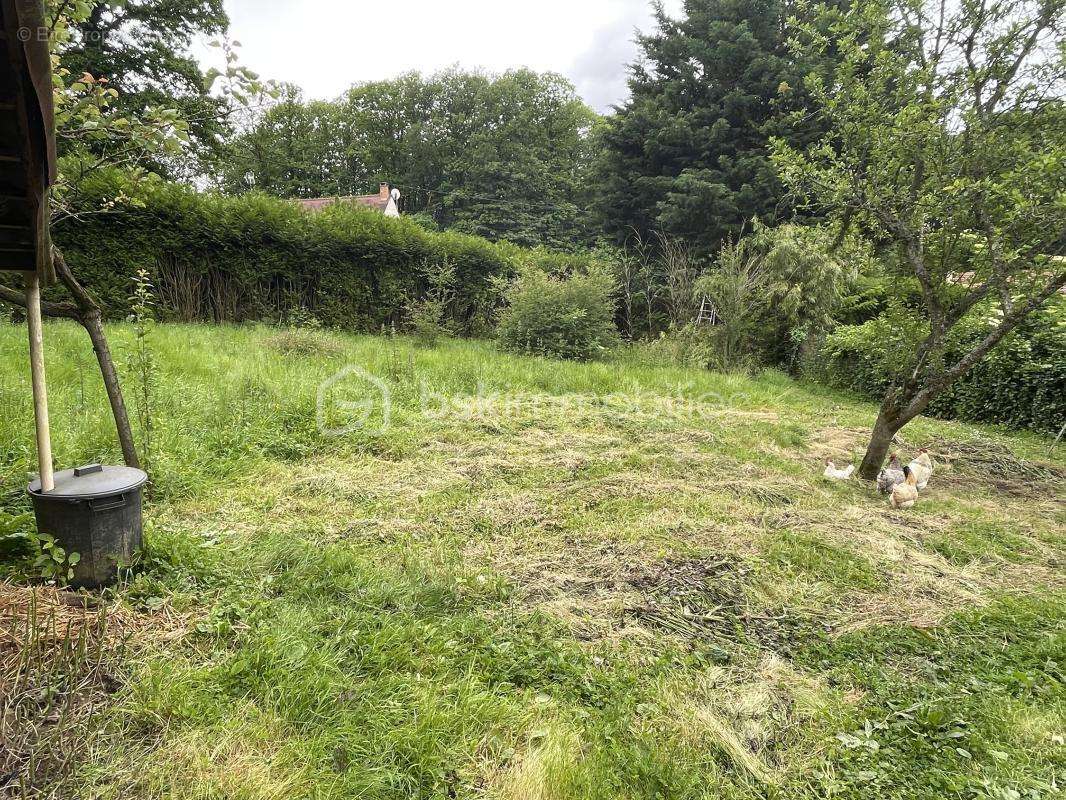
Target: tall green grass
(227, 399)
(378, 614)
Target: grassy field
(537, 580)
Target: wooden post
(40, 387)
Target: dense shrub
(1021, 383)
(773, 289)
(570, 316)
(427, 319)
(253, 257)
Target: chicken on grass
(905, 495)
(833, 474)
(922, 467)
(891, 476)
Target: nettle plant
(20, 542)
(54, 563)
(141, 361)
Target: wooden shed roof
(27, 138)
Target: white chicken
(922, 467)
(833, 474)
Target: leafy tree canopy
(945, 145)
(141, 47)
(504, 156)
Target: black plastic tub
(94, 511)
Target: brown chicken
(905, 495)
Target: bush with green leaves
(27, 552)
(427, 318)
(698, 346)
(18, 540)
(567, 316)
(772, 290)
(1021, 383)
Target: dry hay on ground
(991, 459)
(708, 598)
(741, 714)
(55, 666)
(960, 464)
(606, 589)
(920, 586)
(60, 658)
(995, 466)
(46, 619)
(978, 460)
(740, 717)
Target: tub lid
(93, 480)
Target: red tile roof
(378, 202)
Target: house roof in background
(374, 201)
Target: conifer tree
(687, 154)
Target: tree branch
(85, 301)
(16, 298)
(963, 365)
(1041, 24)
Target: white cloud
(326, 45)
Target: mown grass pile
(536, 579)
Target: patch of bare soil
(706, 598)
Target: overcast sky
(326, 45)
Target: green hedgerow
(217, 258)
(1020, 383)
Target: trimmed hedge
(253, 257)
(1021, 383)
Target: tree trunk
(880, 442)
(900, 408)
(94, 326)
(90, 317)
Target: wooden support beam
(40, 386)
